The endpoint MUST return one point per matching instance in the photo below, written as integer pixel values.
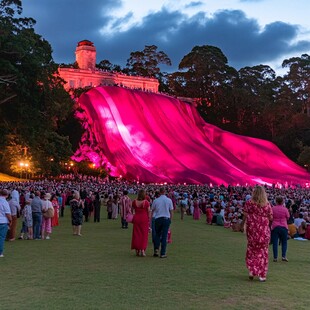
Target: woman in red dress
(55, 204)
(257, 216)
(141, 210)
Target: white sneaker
(1, 255)
(47, 238)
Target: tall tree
(146, 63)
(32, 98)
(205, 75)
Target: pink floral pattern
(258, 235)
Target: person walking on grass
(162, 211)
(141, 209)
(77, 206)
(36, 208)
(5, 218)
(279, 228)
(125, 208)
(46, 228)
(257, 216)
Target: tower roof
(85, 43)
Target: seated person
(302, 230)
(299, 220)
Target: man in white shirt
(162, 211)
(5, 218)
(299, 220)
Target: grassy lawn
(205, 269)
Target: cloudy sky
(249, 32)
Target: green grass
(205, 269)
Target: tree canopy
(33, 101)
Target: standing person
(77, 206)
(162, 211)
(125, 208)
(5, 218)
(15, 209)
(97, 206)
(27, 220)
(87, 206)
(60, 201)
(183, 205)
(115, 207)
(36, 207)
(257, 214)
(141, 208)
(209, 214)
(279, 228)
(47, 221)
(197, 212)
(109, 207)
(55, 204)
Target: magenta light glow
(156, 138)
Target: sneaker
(163, 256)
(284, 259)
(155, 253)
(275, 260)
(1, 255)
(48, 238)
(262, 279)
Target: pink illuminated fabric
(156, 138)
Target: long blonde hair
(259, 196)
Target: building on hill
(87, 75)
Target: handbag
(49, 213)
(129, 218)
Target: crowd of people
(42, 202)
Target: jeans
(124, 223)
(3, 232)
(277, 233)
(153, 230)
(37, 221)
(161, 233)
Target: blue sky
(249, 32)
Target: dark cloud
(65, 22)
(242, 39)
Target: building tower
(85, 55)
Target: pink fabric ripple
(156, 138)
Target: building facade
(87, 75)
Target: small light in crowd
(52, 159)
(184, 183)
(211, 185)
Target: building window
(71, 83)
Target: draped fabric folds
(152, 137)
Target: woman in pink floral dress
(257, 216)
